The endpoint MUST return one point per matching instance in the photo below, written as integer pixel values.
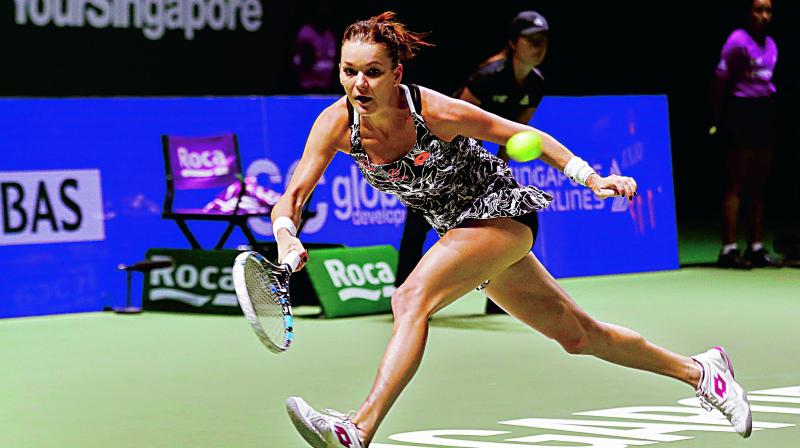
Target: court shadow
(699, 264)
(308, 312)
(479, 322)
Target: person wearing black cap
(508, 84)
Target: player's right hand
(613, 185)
(288, 243)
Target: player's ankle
(365, 441)
(695, 375)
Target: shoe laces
(347, 419)
(341, 416)
(705, 403)
(709, 402)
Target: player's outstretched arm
(449, 117)
(328, 133)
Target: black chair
(206, 163)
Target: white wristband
(283, 222)
(578, 170)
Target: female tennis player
(421, 146)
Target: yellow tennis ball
(524, 146)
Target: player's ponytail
(401, 43)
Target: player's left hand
(613, 185)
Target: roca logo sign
(359, 275)
(202, 163)
(365, 281)
(51, 207)
(193, 284)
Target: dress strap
(355, 134)
(413, 103)
(349, 112)
(416, 97)
(352, 115)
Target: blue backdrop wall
(82, 183)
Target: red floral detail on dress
(395, 175)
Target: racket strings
(267, 292)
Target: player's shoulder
(335, 115)
(433, 102)
(334, 122)
(437, 106)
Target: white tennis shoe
(334, 430)
(717, 388)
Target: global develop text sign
(353, 281)
(51, 207)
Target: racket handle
(292, 259)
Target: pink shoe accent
(727, 359)
(720, 387)
(342, 435)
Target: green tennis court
(171, 380)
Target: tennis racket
(262, 289)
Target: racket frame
(246, 304)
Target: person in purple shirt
(743, 100)
(315, 47)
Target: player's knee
(593, 335)
(408, 302)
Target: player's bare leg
(528, 292)
(455, 265)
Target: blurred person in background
(744, 107)
(315, 47)
(508, 84)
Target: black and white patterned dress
(447, 182)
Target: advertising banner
(202, 162)
(82, 189)
(198, 281)
(147, 47)
(581, 235)
(41, 207)
(353, 281)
